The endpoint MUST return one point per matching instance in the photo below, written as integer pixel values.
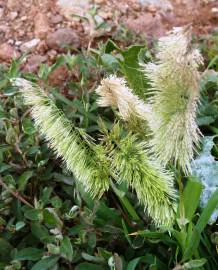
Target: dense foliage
(48, 221)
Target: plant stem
(15, 193)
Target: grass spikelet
(85, 159)
(114, 91)
(174, 79)
(154, 188)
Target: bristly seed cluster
(170, 114)
(174, 80)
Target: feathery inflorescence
(130, 162)
(114, 91)
(85, 159)
(174, 80)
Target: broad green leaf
(133, 71)
(28, 127)
(2, 115)
(89, 266)
(191, 196)
(19, 225)
(92, 240)
(31, 254)
(11, 136)
(194, 264)
(23, 179)
(152, 260)
(46, 193)
(45, 263)
(133, 264)
(130, 66)
(111, 46)
(4, 167)
(93, 259)
(52, 218)
(39, 231)
(109, 61)
(66, 248)
(5, 249)
(10, 91)
(56, 202)
(34, 214)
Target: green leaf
(93, 259)
(2, 115)
(28, 127)
(125, 230)
(10, 91)
(125, 202)
(45, 263)
(56, 202)
(51, 217)
(23, 179)
(133, 264)
(201, 224)
(109, 61)
(111, 46)
(11, 136)
(208, 211)
(130, 66)
(39, 231)
(92, 239)
(133, 71)
(31, 254)
(155, 235)
(181, 238)
(194, 264)
(5, 249)
(33, 214)
(66, 248)
(19, 225)
(89, 266)
(191, 195)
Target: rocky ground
(45, 28)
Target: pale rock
(7, 52)
(77, 7)
(41, 26)
(13, 4)
(1, 12)
(52, 54)
(11, 41)
(61, 38)
(147, 24)
(23, 18)
(214, 10)
(13, 15)
(100, 1)
(4, 28)
(56, 19)
(18, 43)
(33, 62)
(29, 45)
(164, 5)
